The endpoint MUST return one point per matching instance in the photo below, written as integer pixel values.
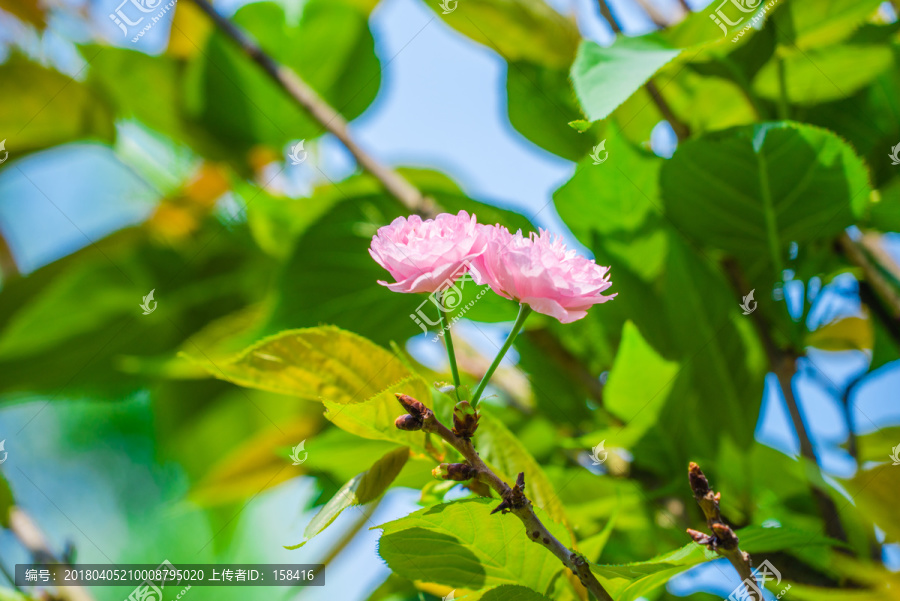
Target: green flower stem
(524, 312)
(451, 355)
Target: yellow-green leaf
(324, 363)
(847, 333)
(374, 418)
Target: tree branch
(657, 17)
(322, 112)
(513, 498)
(31, 537)
(682, 129)
(861, 255)
(607, 14)
(784, 364)
(723, 540)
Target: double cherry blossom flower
(535, 270)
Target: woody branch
(514, 501)
(723, 539)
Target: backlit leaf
(361, 489)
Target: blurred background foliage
(760, 164)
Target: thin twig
(723, 539)
(862, 257)
(682, 129)
(610, 18)
(784, 364)
(513, 498)
(322, 112)
(31, 537)
(657, 17)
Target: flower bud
(459, 472)
(408, 422)
(465, 420)
(412, 406)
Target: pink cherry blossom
(538, 270)
(427, 256)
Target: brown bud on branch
(723, 539)
(459, 472)
(408, 422)
(412, 406)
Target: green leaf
(757, 539)
(615, 200)
(604, 78)
(614, 196)
(462, 545)
(524, 30)
(361, 489)
(7, 502)
(878, 445)
(507, 592)
(503, 451)
(315, 363)
(699, 29)
(884, 212)
(630, 581)
(819, 23)
(139, 86)
(541, 106)
(331, 48)
(824, 74)
(55, 109)
(752, 191)
(875, 492)
(638, 386)
(723, 362)
(52, 317)
(374, 417)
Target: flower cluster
(536, 270)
